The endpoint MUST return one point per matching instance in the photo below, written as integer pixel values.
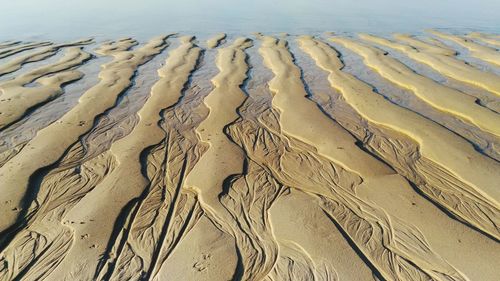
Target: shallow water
(60, 19)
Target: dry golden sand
(255, 158)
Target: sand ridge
(430, 45)
(477, 50)
(435, 94)
(6, 44)
(440, 59)
(223, 175)
(13, 49)
(114, 47)
(480, 178)
(126, 182)
(260, 159)
(51, 142)
(352, 207)
(487, 38)
(328, 137)
(16, 63)
(222, 103)
(17, 99)
(216, 40)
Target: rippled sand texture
(255, 157)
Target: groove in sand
(182, 180)
(223, 158)
(51, 142)
(114, 47)
(126, 182)
(445, 149)
(476, 50)
(12, 50)
(487, 38)
(302, 119)
(215, 41)
(9, 44)
(439, 96)
(16, 63)
(342, 206)
(440, 59)
(16, 98)
(228, 185)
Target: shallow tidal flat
(251, 157)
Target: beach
(251, 156)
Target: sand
(493, 40)
(39, 55)
(441, 59)
(441, 97)
(257, 157)
(378, 110)
(18, 99)
(216, 40)
(479, 51)
(43, 150)
(8, 49)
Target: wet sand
(251, 157)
